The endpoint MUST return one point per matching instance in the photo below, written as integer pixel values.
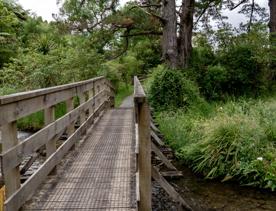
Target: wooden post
(82, 115)
(90, 95)
(144, 159)
(70, 107)
(142, 113)
(51, 146)
(11, 176)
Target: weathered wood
(29, 163)
(69, 107)
(17, 199)
(14, 156)
(82, 101)
(139, 93)
(11, 175)
(153, 127)
(90, 95)
(156, 138)
(49, 117)
(16, 109)
(171, 173)
(168, 188)
(144, 158)
(34, 93)
(162, 157)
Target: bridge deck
(102, 174)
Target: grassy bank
(232, 141)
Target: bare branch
(143, 33)
(241, 2)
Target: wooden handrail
(142, 120)
(38, 92)
(100, 94)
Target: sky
(45, 9)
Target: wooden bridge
(109, 170)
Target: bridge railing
(94, 96)
(143, 146)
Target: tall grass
(235, 141)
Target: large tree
(175, 22)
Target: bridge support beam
(142, 113)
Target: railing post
(51, 146)
(82, 115)
(142, 113)
(90, 95)
(71, 127)
(11, 176)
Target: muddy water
(204, 194)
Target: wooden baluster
(69, 107)
(51, 146)
(82, 114)
(11, 176)
(91, 107)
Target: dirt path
(127, 102)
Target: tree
(175, 21)
(272, 22)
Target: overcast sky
(45, 9)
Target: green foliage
(170, 90)
(122, 92)
(239, 64)
(232, 141)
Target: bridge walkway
(102, 174)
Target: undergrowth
(232, 141)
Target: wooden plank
(11, 175)
(163, 158)
(34, 93)
(153, 127)
(49, 117)
(90, 95)
(171, 173)
(144, 157)
(13, 111)
(29, 163)
(16, 200)
(137, 186)
(156, 138)
(69, 107)
(168, 188)
(82, 114)
(13, 157)
(139, 93)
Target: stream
(212, 195)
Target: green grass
(232, 141)
(122, 92)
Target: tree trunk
(272, 22)
(169, 39)
(272, 27)
(185, 33)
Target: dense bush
(169, 89)
(240, 68)
(235, 141)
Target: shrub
(169, 89)
(235, 141)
